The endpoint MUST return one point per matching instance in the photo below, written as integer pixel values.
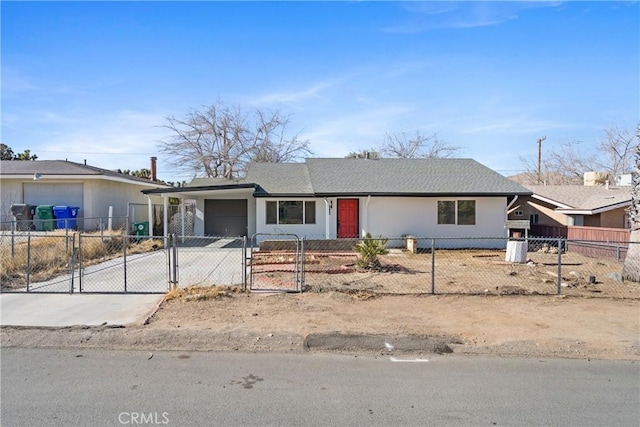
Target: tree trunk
(631, 268)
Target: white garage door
(54, 194)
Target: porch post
(327, 220)
(365, 215)
(150, 214)
(182, 215)
(165, 205)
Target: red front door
(347, 218)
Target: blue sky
(95, 80)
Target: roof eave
(199, 189)
(594, 211)
(418, 194)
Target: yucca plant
(368, 251)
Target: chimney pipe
(153, 168)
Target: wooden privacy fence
(598, 242)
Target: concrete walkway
(75, 309)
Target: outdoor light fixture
(36, 176)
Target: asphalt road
(99, 388)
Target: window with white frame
(460, 212)
(291, 212)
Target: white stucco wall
(97, 194)
(316, 231)
(394, 217)
(418, 216)
(10, 193)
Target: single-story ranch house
(328, 198)
(575, 205)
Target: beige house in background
(96, 191)
(589, 205)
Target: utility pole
(540, 159)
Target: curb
(387, 344)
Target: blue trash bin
(66, 216)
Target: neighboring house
(574, 205)
(60, 182)
(345, 198)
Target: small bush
(368, 251)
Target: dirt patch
(514, 325)
(227, 319)
(477, 272)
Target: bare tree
(271, 145)
(568, 163)
(616, 151)
(400, 146)
(220, 141)
(631, 268)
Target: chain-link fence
(422, 265)
(97, 224)
(100, 262)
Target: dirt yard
(451, 272)
(483, 305)
(506, 325)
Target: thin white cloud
(426, 16)
(123, 139)
(15, 82)
(312, 92)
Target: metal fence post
(559, 266)
(302, 265)
(13, 241)
(28, 260)
(125, 242)
(244, 263)
(433, 266)
(80, 262)
(72, 262)
(175, 261)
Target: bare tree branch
(220, 141)
(568, 163)
(399, 146)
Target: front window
(460, 212)
(291, 212)
(447, 212)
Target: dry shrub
(201, 293)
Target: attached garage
(56, 194)
(225, 217)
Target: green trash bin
(45, 216)
(141, 228)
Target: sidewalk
(60, 310)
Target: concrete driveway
(57, 310)
(50, 304)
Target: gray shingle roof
(583, 197)
(61, 167)
(281, 178)
(336, 176)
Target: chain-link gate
(276, 263)
(206, 261)
(122, 264)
